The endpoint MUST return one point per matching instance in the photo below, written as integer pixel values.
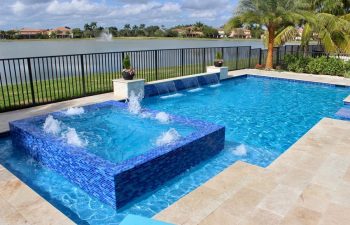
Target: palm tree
(330, 23)
(278, 16)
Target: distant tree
(134, 30)
(53, 34)
(113, 31)
(87, 33)
(159, 33)
(142, 26)
(127, 26)
(2, 34)
(256, 30)
(91, 30)
(93, 25)
(235, 22)
(171, 33)
(11, 34)
(210, 32)
(150, 30)
(77, 33)
(198, 26)
(126, 31)
(87, 27)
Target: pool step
(203, 201)
(139, 220)
(344, 113)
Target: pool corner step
(344, 113)
(139, 220)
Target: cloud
(18, 7)
(206, 4)
(74, 7)
(171, 7)
(75, 13)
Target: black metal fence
(27, 82)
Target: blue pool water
(263, 118)
(115, 134)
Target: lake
(28, 48)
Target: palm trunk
(270, 46)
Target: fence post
(31, 80)
(222, 53)
(182, 62)
(278, 56)
(260, 56)
(236, 58)
(250, 56)
(298, 50)
(83, 74)
(156, 62)
(204, 61)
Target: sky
(16, 14)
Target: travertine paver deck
(20, 205)
(308, 184)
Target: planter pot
(128, 75)
(218, 63)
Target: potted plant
(128, 72)
(218, 62)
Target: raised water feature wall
(119, 183)
(195, 81)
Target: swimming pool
(115, 151)
(263, 117)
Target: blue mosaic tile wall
(119, 183)
(180, 84)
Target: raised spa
(114, 154)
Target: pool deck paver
(308, 184)
(20, 205)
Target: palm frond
(288, 34)
(306, 35)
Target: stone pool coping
(22, 206)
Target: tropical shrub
(347, 70)
(317, 65)
(320, 65)
(296, 64)
(334, 66)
